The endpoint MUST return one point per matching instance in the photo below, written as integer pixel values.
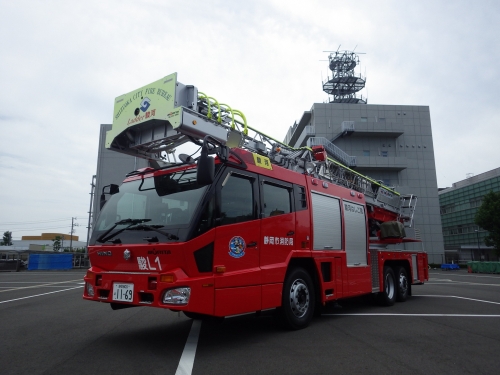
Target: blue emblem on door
(237, 247)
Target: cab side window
(276, 200)
(236, 199)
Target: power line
(37, 229)
(36, 222)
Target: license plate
(123, 292)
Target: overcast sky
(63, 62)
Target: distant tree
(56, 243)
(7, 239)
(488, 218)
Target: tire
(298, 300)
(402, 285)
(388, 295)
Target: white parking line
(469, 275)
(430, 315)
(442, 282)
(37, 286)
(41, 287)
(469, 299)
(187, 359)
(421, 315)
(38, 295)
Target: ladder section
(152, 121)
(407, 209)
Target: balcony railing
(333, 150)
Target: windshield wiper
(104, 237)
(154, 228)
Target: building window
(366, 152)
(475, 202)
(364, 119)
(383, 154)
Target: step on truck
(249, 224)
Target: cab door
(277, 228)
(237, 233)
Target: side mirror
(206, 168)
(112, 189)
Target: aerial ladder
(168, 114)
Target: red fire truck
(258, 226)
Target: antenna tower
(344, 84)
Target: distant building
(50, 237)
(464, 240)
(389, 143)
(44, 242)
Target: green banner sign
(155, 101)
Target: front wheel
(388, 296)
(298, 300)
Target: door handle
(291, 233)
(252, 244)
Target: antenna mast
(344, 84)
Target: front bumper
(149, 289)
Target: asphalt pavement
(451, 325)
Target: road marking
(469, 275)
(38, 286)
(34, 282)
(430, 315)
(448, 282)
(46, 286)
(421, 315)
(38, 295)
(469, 299)
(187, 359)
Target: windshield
(166, 203)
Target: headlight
(177, 296)
(90, 289)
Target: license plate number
(123, 292)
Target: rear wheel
(298, 300)
(388, 296)
(402, 285)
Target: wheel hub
(299, 298)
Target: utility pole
(73, 224)
(92, 187)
